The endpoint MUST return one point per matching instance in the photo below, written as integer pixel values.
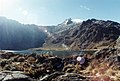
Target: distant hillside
(16, 36)
(88, 34)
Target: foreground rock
(70, 77)
(103, 65)
(14, 76)
(60, 76)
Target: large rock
(14, 76)
(70, 77)
(51, 76)
(60, 76)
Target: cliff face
(90, 34)
(16, 36)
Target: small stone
(21, 59)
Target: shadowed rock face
(90, 34)
(16, 36)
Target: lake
(52, 52)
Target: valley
(70, 51)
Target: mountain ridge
(17, 36)
(92, 33)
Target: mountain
(91, 33)
(66, 25)
(72, 34)
(17, 36)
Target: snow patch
(77, 20)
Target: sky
(53, 12)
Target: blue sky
(52, 12)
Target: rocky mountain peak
(72, 21)
(91, 33)
(68, 21)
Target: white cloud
(85, 7)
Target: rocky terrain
(89, 34)
(103, 65)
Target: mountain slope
(90, 34)
(66, 25)
(16, 36)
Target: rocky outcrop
(71, 77)
(90, 34)
(102, 65)
(14, 76)
(58, 76)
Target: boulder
(51, 76)
(70, 77)
(14, 76)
